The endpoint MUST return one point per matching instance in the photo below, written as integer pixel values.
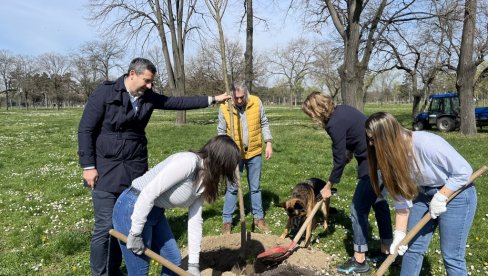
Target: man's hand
(269, 150)
(398, 236)
(222, 98)
(91, 177)
(326, 192)
(438, 205)
(135, 243)
(194, 269)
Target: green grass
(46, 214)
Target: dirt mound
(223, 255)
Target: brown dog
(301, 203)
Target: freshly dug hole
(220, 256)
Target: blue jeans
(454, 226)
(156, 234)
(364, 198)
(105, 255)
(253, 168)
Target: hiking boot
(226, 229)
(261, 225)
(352, 266)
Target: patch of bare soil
(223, 255)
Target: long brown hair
(319, 107)
(220, 159)
(390, 150)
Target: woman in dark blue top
(346, 127)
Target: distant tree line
(379, 51)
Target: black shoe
(377, 259)
(352, 266)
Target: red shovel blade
(273, 253)
(276, 254)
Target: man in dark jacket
(113, 147)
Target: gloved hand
(194, 269)
(398, 236)
(438, 205)
(135, 243)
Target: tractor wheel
(446, 124)
(418, 126)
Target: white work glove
(398, 236)
(193, 269)
(135, 243)
(438, 205)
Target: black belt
(125, 135)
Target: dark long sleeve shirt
(346, 128)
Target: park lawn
(46, 213)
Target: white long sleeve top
(175, 182)
(440, 164)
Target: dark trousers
(105, 254)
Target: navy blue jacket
(112, 138)
(346, 128)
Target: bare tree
(417, 56)
(25, 68)
(466, 70)
(324, 70)
(465, 50)
(6, 69)
(248, 55)
(157, 58)
(204, 70)
(105, 54)
(85, 73)
(138, 19)
(217, 10)
(293, 63)
(235, 60)
(359, 24)
(57, 68)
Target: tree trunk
(175, 71)
(466, 70)
(6, 99)
(349, 72)
(248, 56)
(415, 92)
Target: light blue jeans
(454, 226)
(253, 168)
(364, 198)
(156, 234)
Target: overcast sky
(34, 27)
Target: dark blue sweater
(346, 128)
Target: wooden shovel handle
(153, 255)
(307, 222)
(426, 218)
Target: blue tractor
(443, 112)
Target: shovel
(153, 255)
(277, 254)
(426, 218)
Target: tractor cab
(443, 112)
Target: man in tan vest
(250, 129)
